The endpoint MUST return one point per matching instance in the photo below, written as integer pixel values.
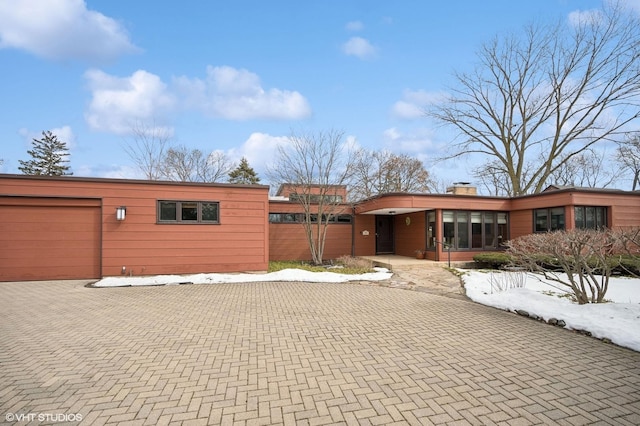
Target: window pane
(557, 219)
(601, 217)
(289, 217)
(540, 219)
(431, 229)
(489, 230)
(476, 230)
(447, 216)
(274, 217)
(449, 232)
(344, 218)
(167, 210)
(463, 229)
(590, 221)
(189, 212)
(579, 212)
(209, 212)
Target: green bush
(493, 260)
(626, 265)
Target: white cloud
(578, 17)
(414, 103)
(237, 94)
(114, 171)
(61, 30)
(118, 103)
(354, 26)
(419, 141)
(359, 47)
(64, 134)
(260, 151)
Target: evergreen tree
(48, 157)
(244, 174)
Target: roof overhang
(392, 211)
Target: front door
(384, 235)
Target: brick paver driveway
(297, 353)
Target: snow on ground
(618, 321)
(283, 275)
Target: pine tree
(244, 174)
(48, 157)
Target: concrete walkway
(296, 353)
(422, 275)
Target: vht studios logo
(43, 417)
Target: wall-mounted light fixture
(121, 212)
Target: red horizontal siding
(144, 246)
(289, 242)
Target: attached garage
(49, 238)
(68, 227)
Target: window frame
(453, 217)
(550, 219)
(283, 218)
(596, 211)
(179, 213)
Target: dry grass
(343, 265)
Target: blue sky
(239, 76)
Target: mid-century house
(73, 227)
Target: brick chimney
(462, 188)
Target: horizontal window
(463, 230)
(300, 217)
(315, 198)
(545, 220)
(590, 217)
(188, 212)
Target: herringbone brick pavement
(296, 353)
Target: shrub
(493, 260)
(586, 257)
(626, 265)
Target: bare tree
(147, 149)
(537, 101)
(628, 155)
(378, 172)
(587, 169)
(493, 178)
(180, 164)
(315, 166)
(192, 165)
(580, 260)
(215, 168)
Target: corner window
(590, 217)
(188, 212)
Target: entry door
(384, 235)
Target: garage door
(43, 239)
